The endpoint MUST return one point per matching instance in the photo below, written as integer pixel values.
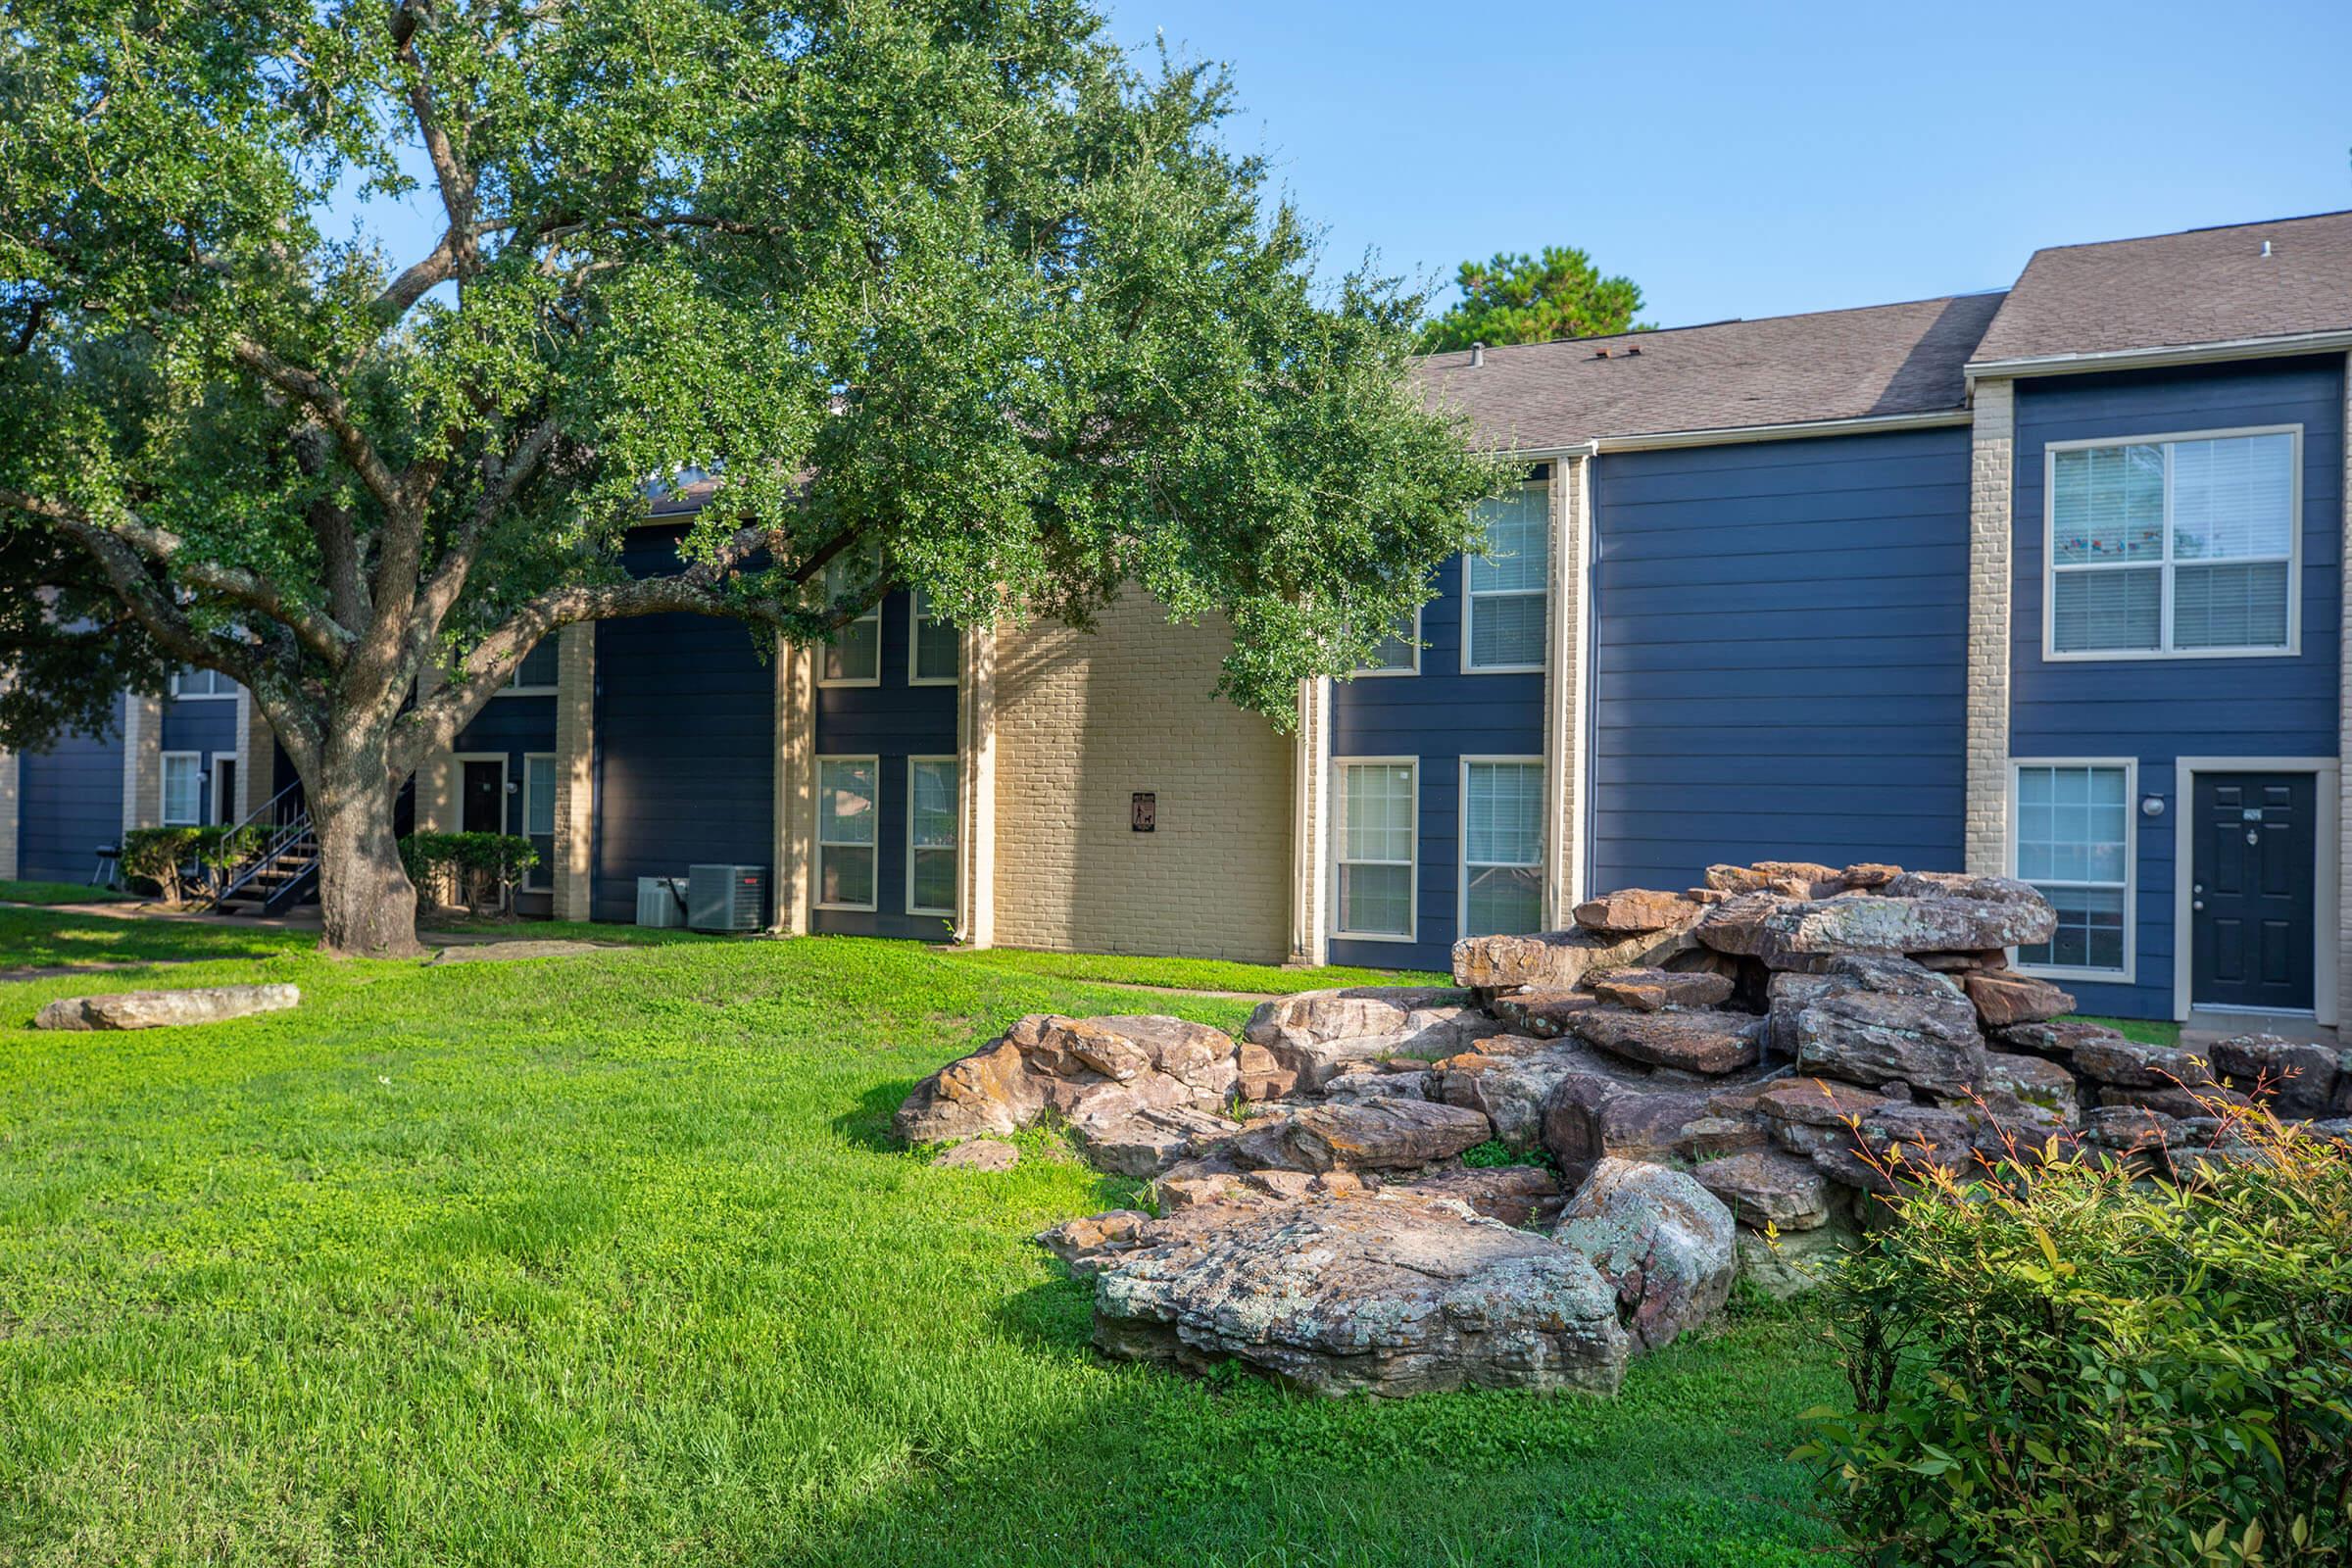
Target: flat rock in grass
(1507, 1078)
(508, 952)
(979, 1153)
(1545, 1011)
(1368, 1135)
(1557, 959)
(1650, 990)
(1765, 1188)
(1660, 1238)
(1880, 1036)
(2004, 1000)
(990, 1091)
(1357, 1295)
(1636, 910)
(1692, 1041)
(165, 1009)
(2298, 1078)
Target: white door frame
(2325, 770)
(225, 801)
(457, 761)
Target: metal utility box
(726, 897)
(659, 900)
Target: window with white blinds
(2074, 844)
(1502, 848)
(931, 819)
(848, 799)
(1504, 585)
(1373, 827)
(2182, 546)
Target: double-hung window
(539, 817)
(1400, 651)
(535, 671)
(2074, 844)
(848, 799)
(931, 835)
(1504, 585)
(2183, 546)
(853, 658)
(1502, 846)
(937, 650)
(1373, 825)
(184, 789)
(194, 682)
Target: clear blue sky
(1764, 158)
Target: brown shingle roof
(1786, 369)
(2207, 285)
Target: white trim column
(1565, 686)
(976, 788)
(575, 772)
(1991, 487)
(1310, 827)
(795, 787)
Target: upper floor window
(2174, 546)
(937, 651)
(854, 655)
(1504, 584)
(538, 671)
(194, 682)
(1400, 651)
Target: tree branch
(457, 561)
(333, 412)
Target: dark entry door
(483, 800)
(2252, 914)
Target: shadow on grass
(868, 1124)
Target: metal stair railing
(287, 818)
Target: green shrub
(466, 867)
(180, 861)
(2074, 1368)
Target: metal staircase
(284, 869)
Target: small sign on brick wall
(1143, 807)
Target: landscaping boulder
(1793, 878)
(2019, 1086)
(1356, 1295)
(1126, 1138)
(991, 1091)
(1987, 915)
(1507, 1078)
(1921, 1032)
(1792, 1262)
(2299, 1080)
(2056, 1039)
(1651, 990)
(2135, 1064)
(1096, 1071)
(1692, 1041)
(2004, 1000)
(1636, 909)
(1369, 1134)
(1662, 1242)
(1763, 1186)
(1805, 1114)
(1899, 1144)
(1528, 1196)
(1545, 1011)
(979, 1153)
(1735, 926)
(165, 1009)
(1558, 959)
(1317, 1035)
(1594, 1114)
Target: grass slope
(608, 1259)
(56, 893)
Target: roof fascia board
(2243, 348)
(1736, 435)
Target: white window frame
(874, 615)
(915, 645)
(2131, 770)
(514, 686)
(1338, 819)
(1470, 600)
(163, 789)
(213, 695)
(1461, 840)
(956, 850)
(872, 845)
(224, 807)
(1376, 672)
(2163, 565)
(533, 763)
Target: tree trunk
(369, 904)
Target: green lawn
(610, 1259)
(2148, 1031)
(1186, 974)
(56, 893)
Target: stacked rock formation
(1725, 1080)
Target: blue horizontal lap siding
(1440, 716)
(516, 727)
(69, 802)
(2161, 709)
(207, 726)
(1779, 655)
(685, 746)
(894, 721)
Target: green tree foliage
(2070, 1364)
(1534, 299)
(956, 287)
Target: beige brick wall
(795, 787)
(257, 756)
(1992, 494)
(142, 762)
(1310, 836)
(9, 814)
(1082, 722)
(575, 776)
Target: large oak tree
(953, 285)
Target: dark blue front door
(2252, 911)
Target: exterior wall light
(2151, 806)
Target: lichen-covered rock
(2135, 1064)
(1805, 1114)
(1592, 1114)
(2056, 1039)
(1316, 1035)
(1735, 926)
(1787, 996)
(1660, 1238)
(2126, 1129)
(1764, 1187)
(1692, 1041)
(1651, 990)
(1877, 1037)
(1507, 1078)
(2299, 1079)
(165, 1009)
(1558, 959)
(1398, 1078)
(1131, 1140)
(1942, 922)
(990, 1091)
(1901, 1144)
(1790, 878)
(1368, 1135)
(1636, 910)
(1545, 1011)
(1528, 1196)
(2004, 1000)
(2182, 1103)
(979, 1153)
(2015, 1083)
(1349, 1295)
(1794, 1262)
(1097, 1069)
